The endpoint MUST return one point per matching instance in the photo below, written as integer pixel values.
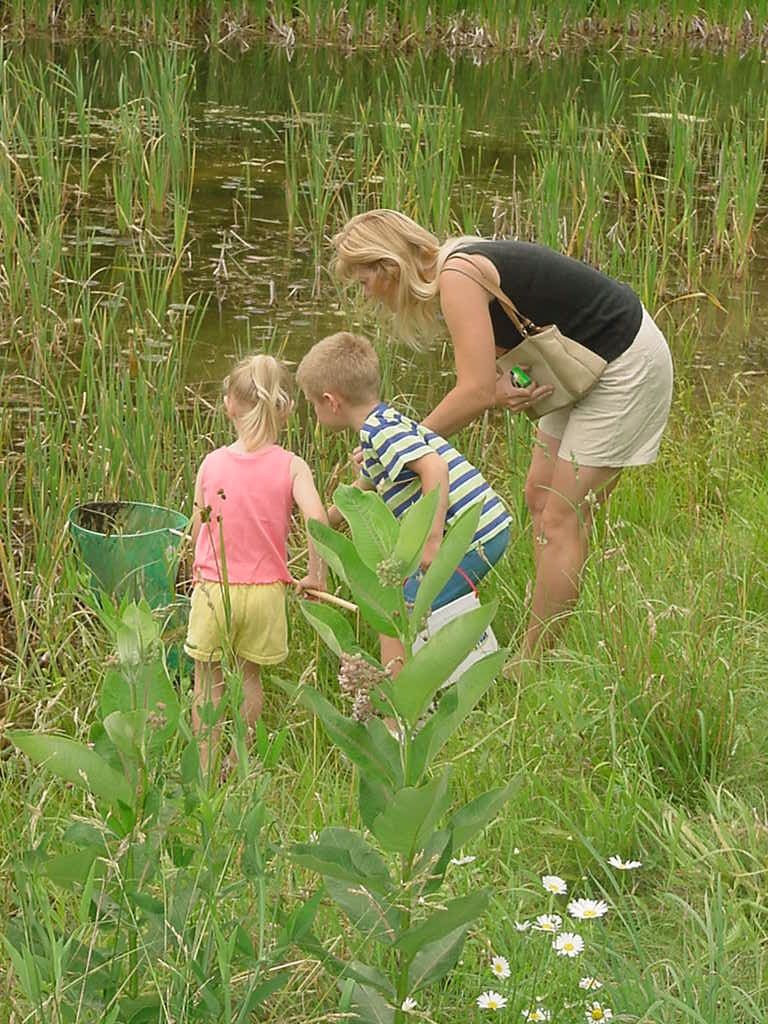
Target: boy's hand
(335, 518)
(429, 553)
(309, 583)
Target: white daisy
(537, 1013)
(408, 1004)
(590, 984)
(522, 926)
(491, 1001)
(568, 944)
(598, 1012)
(461, 861)
(500, 967)
(548, 923)
(557, 886)
(586, 910)
(624, 865)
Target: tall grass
(523, 25)
(644, 735)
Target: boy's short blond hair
(343, 364)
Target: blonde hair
(344, 364)
(261, 386)
(399, 248)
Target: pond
(648, 163)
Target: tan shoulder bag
(550, 357)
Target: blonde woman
(579, 451)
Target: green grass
(643, 736)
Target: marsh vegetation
(163, 207)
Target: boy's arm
(432, 471)
(311, 506)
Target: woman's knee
(559, 521)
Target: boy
(402, 460)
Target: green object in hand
(519, 377)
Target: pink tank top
(250, 495)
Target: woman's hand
(516, 399)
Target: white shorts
(621, 420)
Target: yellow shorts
(259, 628)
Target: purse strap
(524, 326)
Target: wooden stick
(332, 599)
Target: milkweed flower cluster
(357, 677)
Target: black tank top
(549, 288)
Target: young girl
(244, 495)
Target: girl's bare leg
(209, 685)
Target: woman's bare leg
(562, 538)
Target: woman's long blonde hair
(261, 388)
(402, 250)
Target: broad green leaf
(149, 689)
(75, 763)
(365, 912)
(436, 959)
(373, 977)
(456, 543)
(138, 635)
(415, 527)
(412, 815)
(69, 869)
(373, 797)
(371, 523)
(25, 969)
(344, 854)
(457, 913)
(300, 921)
(423, 675)
(382, 607)
(430, 866)
(126, 730)
(369, 1007)
(455, 704)
(471, 819)
(260, 994)
(352, 737)
(331, 626)
(347, 972)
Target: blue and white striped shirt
(391, 440)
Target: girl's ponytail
(260, 386)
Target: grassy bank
(643, 737)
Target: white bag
(487, 643)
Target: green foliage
(401, 800)
(166, 910)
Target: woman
(581, 450)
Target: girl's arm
(311, 506)
(362, 483)
(432, 471)
(197, 507)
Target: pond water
(258, 278)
